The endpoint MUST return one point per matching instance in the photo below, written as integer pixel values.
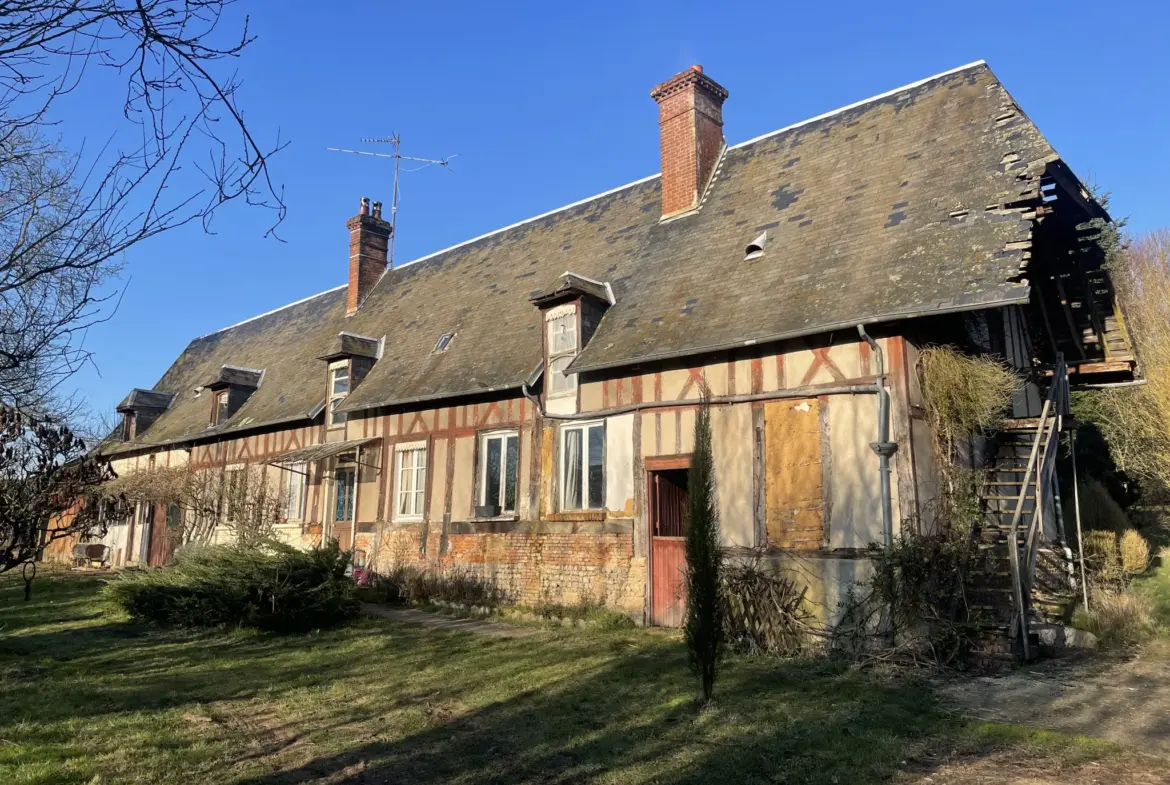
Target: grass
(1154, 586)
(87, 698)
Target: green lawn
(87, 698)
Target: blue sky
(548, 103)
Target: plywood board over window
(792, 462)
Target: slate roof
(239, 377)
(145, 399)
(874, 212)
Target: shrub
(922, 582)
(276, 587)
(1112, 561)
(1118, 618)
(412, 585)
(703, 627)
(1134, 552)
(963, 396)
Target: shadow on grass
(378, 701)
(634, 720)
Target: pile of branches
(764, 612)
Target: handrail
(1040, 474)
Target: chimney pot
(690, 125)
(369, 243)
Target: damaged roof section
(139, 399)
(912, 203)
(570, 285)
(232, 376)
(350, 345)
(859, 209)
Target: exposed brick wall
(369, 247)
(690, 123)
(531, 569)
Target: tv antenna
(395, 141)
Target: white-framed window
(583, 466)
(220, 413)
(410, 475)
(499, 470)
(561, 326)
(295, 491)
(338, 389)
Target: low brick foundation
(529, 568)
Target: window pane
(558, 380)
(336, 417)
(221, 408)
(511, 467)
(596, 466)
(420, 481)
(562, 334)
(340, 380)
(491, 480)
(412, 482)
(571, 469)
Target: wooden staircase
(1020, 577)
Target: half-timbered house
(522, 405)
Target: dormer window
(230, 389)
(222, 409)
(140, 409)
(561, 325)
(338, 389)
(350, 358)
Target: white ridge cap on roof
(274, 310)
(862, 102)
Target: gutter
(1023, 299)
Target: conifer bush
(703, 628)
(276, 587)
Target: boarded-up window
(795, 498)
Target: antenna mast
(395, 141)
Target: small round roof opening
(755, 249)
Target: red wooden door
(668, 503)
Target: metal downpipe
(883, 446)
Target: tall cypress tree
(704, 622)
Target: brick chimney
(369, 242)
(690, 121)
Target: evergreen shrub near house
(703, 627)
(275, 587)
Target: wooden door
(667, 498)
(166, 534)
(343, 507)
